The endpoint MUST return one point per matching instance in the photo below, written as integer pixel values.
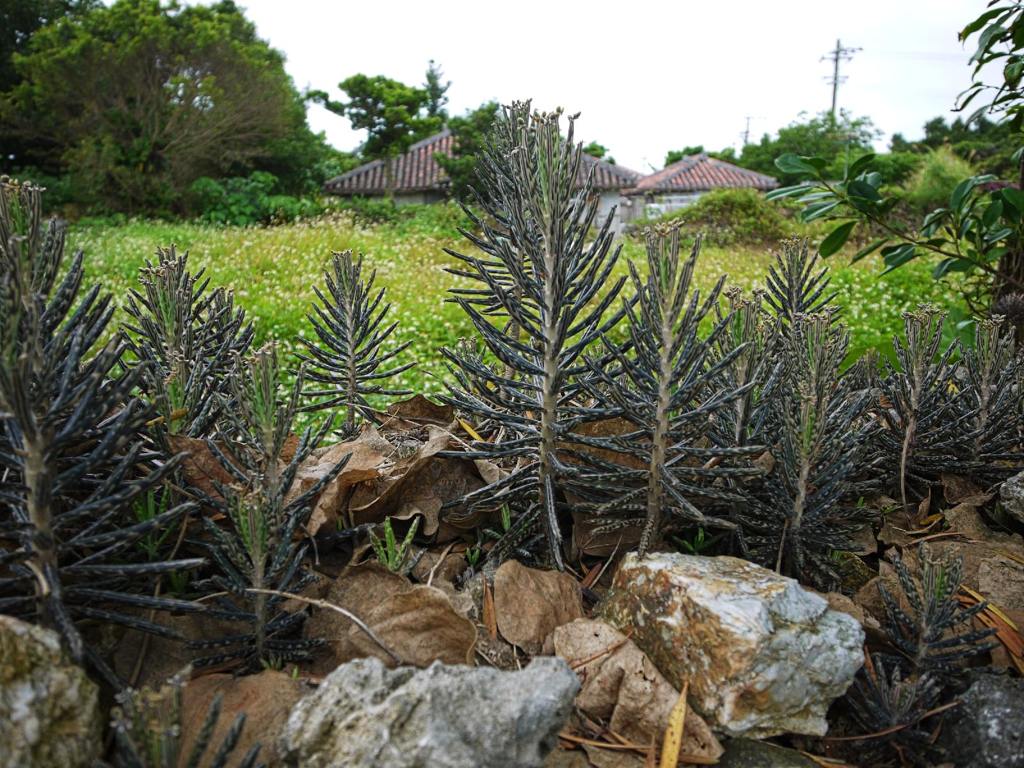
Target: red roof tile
(700, 173)
(418, 171)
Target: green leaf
(867, 250)
(818, 210)
(897, 255)
(979, 22)
(992, 213)
(1014, 197)
(783, 192)
(836, 239)
(862, 189)
(791, 163)
(990, 35)
(951, 265)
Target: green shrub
(727, 216)
(439, 219)
(248, 200)
(933, 182)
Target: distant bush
(897, 167)
(933, 182)
(728, 216)
(248, 200)
(432, 218)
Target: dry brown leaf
(358, 589)
(420, 626)
(414, 412)
(621, 687)
(445, 565)
(365, 460)
(531, 603)
(417, 485)
(612, 758)
(201, 469)
(266, 699)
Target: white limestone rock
(762, 655)
(49, 709)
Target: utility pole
(746, 131)
(838, 54)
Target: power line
(838, 54)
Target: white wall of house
(622, 204)
(651, 206)
(417, 198)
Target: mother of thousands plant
(665, 383)
(545, 269)
(258, 555)
(73, 454)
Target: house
(417, 178)
(681, 183)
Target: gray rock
(444, 716)
(1011, 493)
(747, 753)
(762, 655)
(985, 730)
(49, 709)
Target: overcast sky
(646, 76)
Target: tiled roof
(700, 173)
(608, 176)
(415, 171)
(418, 171)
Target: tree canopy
(470, 133)
(139, 99)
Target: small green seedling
(390, 553)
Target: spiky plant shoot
(803, 511)
(258, 551)
(664, 383)
(352, 357)
(188, 339)
(548, 282)
(73, 458)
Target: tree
(979, 232)
(19, 19)
(392, 113)
(470, 138)
(600, 151)
(675, 155)
(830, 138)
(436, 92)
(139, 99)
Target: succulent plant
(352, 356)
(547, 276)
(257, 554)
(73, 451)
(665, 384)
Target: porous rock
(985, 730)
(762, 655)
(365, 714)
(1011, 493)
(49, 709)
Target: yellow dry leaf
(673, 741)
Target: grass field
(272, 269)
